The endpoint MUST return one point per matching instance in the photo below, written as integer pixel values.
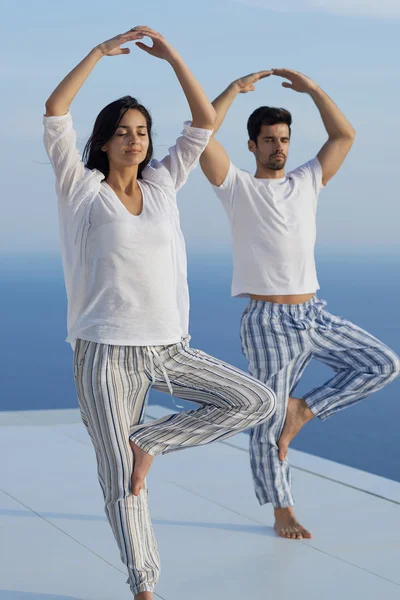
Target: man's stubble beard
(275, 165)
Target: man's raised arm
(214, 161)
(341, 134)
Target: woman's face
(129, 145)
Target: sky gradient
(348, 47)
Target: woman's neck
(124, 180)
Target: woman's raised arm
(203, 113)
(60, 100)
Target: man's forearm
(223, 103)
(336, 124)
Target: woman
(125, 270)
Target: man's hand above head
(298, 82)
(246, 84)
(340, 132)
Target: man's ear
(251, 146)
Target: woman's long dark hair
(104, 128)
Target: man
(285, 325)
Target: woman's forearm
(60, 100)
(203, 113)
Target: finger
(142, 46)
(282, 73)
(131, 34)
(137, 27)
(285, 84)
(281, 70)
(262, 74)
(125, 39)
(248, 88)
(147, 31)
(125, 51)
(151, 35)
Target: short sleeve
(226, 191)
(60, 143)
(184, 156)
(312, 171)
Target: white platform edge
(376, 485)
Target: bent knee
(390, 365)
(396, 364)
(266, 406)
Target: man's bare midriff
(291, 299)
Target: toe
(304, 533)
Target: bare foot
(142, 464)
(287, 526)
(144, 596)
(297, 415)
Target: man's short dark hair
(266, 115)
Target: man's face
(272, 146)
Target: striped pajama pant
(113, 383)
(279, 340)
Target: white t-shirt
(125, 275)
(273, 230)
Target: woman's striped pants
(113, 383)
(279, 340)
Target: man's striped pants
(279, 340)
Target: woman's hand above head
(160, 48)
(203, 114)
(112, 47)
(60, 100)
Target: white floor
(216, 543)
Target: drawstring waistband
(154, 356)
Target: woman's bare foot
(297, 415)
(287, 526)
(141, 466)
(144, 596)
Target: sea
(36, 362)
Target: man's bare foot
(287, 526)
(144, 596)
(142, 464)
(297, 415)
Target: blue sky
(350, 47)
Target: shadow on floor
(256, 529)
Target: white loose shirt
(273, 225)
(125, 275)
